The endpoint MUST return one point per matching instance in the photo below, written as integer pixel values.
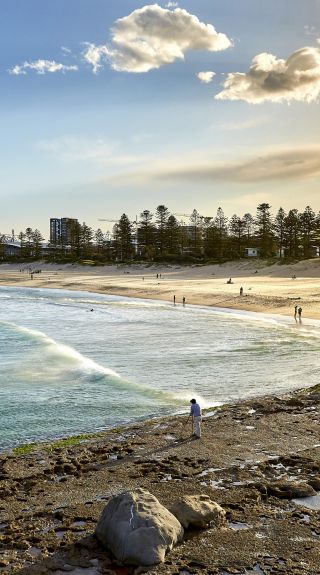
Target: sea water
(65, 369)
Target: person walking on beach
(174, 300)
(241, 290)
(183, 301)
(295, 311)
(299, 313)
(195, 413)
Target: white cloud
(172, 5)
(206, 77)
(270, 79)
(310, 30)
(95, 55)
(41, 67)
(151, 37)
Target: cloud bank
(206, 77)
(270, 79)
(41, 67)
(284, 164)
(151, 37)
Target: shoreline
(255, 458)
(268, 289)
(259, 458)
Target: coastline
(266, 289)
(256, 458)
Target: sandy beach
(259, 459)
(267, 289)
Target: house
(251, 253)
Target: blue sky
(102, 110)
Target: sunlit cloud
(172, 5)
(270, 79)
(41, 67)
(151, 37)
(206, 77)
(276, 165)
(96, 56)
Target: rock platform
(258, 459)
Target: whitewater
(78, 362)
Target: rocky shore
(258, 459)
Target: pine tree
(123, 239)
(264, 228)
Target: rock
(198, 511)
(290, 489)
(315, 483)
(137, 528)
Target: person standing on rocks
(195, 413)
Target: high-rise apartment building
(61, 230)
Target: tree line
(161, 236)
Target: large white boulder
(198, 511)
(137, 528)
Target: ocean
(66, 370)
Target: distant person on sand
(299, 313)
(183, 301)
(229, 281)
(174, 300)
(295, 311)
(241, 290)
(195, 413)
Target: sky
(117, 106)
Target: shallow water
(65, 369)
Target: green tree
(237, 229)
(22, 240)
(221, 223)
(162, 216)
(308, 224)
(279, 229)
(196, 231)
(248, 226)
(264, 230)
(146, 234)
(37, 240)
(292, 234)
(123, 239)
(173, 235)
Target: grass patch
(25, 449)
(69, 441)
(59, 444)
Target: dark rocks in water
(315, 483)
(290, 489)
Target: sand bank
(269, 289)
